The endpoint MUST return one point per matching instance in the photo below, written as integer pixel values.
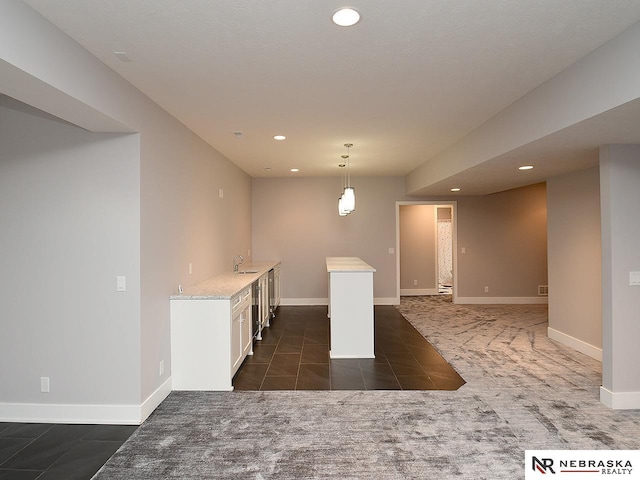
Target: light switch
(634, 278)
(392, 251)
(464, 250)
(121, 283)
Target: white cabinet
(209, 340)
(212, 327)
(241, 341)
(351, 307)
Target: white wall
(574, 259)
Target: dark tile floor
(294, 355)
(44, 451)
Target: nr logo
(542, 465)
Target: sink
(245, 272)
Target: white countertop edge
(226, 285)
(347, 264)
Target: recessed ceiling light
(525, 167)
(455, 189)
(294, 170)
(346, 17)
(279, 137)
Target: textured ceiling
(412, 78)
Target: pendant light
(341, 211)
(349, 193)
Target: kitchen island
(350, 307)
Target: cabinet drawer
(241, 300)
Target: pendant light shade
(349, 199)
(341, 211)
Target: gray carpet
(523, 391)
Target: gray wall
(179, 218)
(620, 199)
(183, 221)
(296, 220)
(69, 214)
(602, 80)
(575, 281)
(418, 255)
(505, 239)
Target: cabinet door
(236, 341)
(246, 333)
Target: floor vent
(543, 290)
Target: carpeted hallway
(523, 391)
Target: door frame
(454, 222)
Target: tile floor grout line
(269, 364)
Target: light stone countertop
(348, 264)
(226, 285)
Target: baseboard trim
(303, 301)
(575, 343)
(502, 300)
(350, 356)
(620, 400)
(89, 414)
(325, 301)
(385, 301)
(415, 292)
(154, 400)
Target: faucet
(236, 262)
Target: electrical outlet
(161, 368)
(220, 193)
(415, 282)
(486, 289)
(44, 384)
(190, 268)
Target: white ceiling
(412, 78)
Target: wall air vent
(543, 290)
(123, 57)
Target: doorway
(444, 245)
(426, 240)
